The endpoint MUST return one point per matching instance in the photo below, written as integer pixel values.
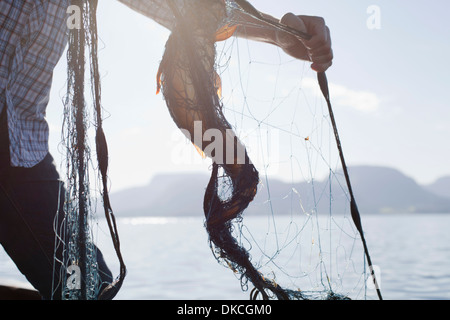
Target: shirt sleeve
(158, 10)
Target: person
(33, 37)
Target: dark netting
(79, 249)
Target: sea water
(170, 258)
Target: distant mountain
(166, 195)
(441, 187)
(380, 189)
(377, 190)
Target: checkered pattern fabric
(33, 37)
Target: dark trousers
(31, 209)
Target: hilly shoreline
(378, 190)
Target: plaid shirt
(33, 37)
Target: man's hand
(317, 50)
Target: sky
(389, 83)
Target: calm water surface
(170, 258)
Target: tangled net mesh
(192, 90)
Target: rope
(78, 153)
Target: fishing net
(80, 275)
(309, 246)
(200, 106)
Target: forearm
(316, 48)
(254, 29)
(159, 11)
